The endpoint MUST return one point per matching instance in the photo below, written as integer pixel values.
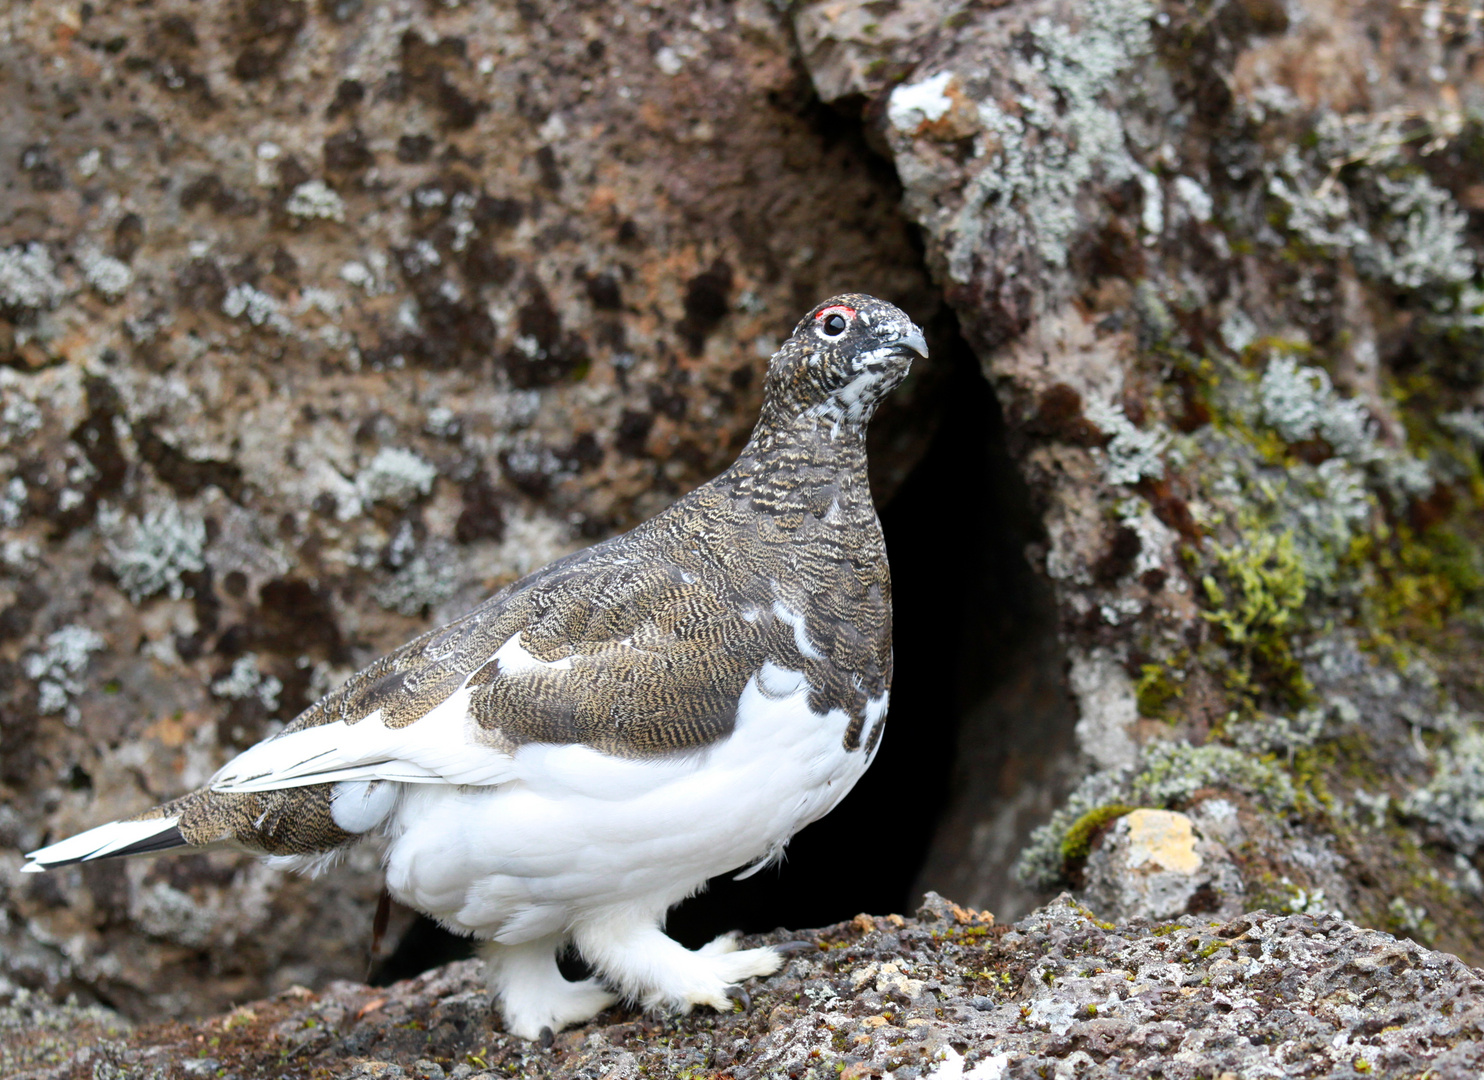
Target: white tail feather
(97, 843)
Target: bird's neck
(810, 457)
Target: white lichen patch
(1039, 151)
(1453, 799)
(111, 277)
(1410, 917)
(1300, 404)
(1132, 454)
(1238, 330)
(316, 199)
(427, 579)
(148, 555)
(1196, 199)
(1312, 902)
(1171, 772)
(12, 502)
(246, 680)
(1400, 226)
(28, 277)
(19, 416)
(260, 309)
(1157, 541)
(395, 476)
(57, 669)
(913, 104)
(1422, 241)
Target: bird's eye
(834, 325)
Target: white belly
(577, 830)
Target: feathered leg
(532, 992)
(655, 970)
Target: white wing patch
(514, 657)
(801, 638)
(440, 748)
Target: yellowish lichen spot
(1162, 840)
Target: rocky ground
(945, 994)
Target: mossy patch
(1256, 598)
(1159, 690)
(1077, 843)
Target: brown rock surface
(319, 321)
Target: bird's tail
(131, 837)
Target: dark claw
(545, 1038)
(793, 948)
(738, 994)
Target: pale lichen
(395, 476)
(247, 681)
(149, 555)
(259, 308)
(1038, 152)
(12, 502)
(1173, 771)
(1300, 403)
(316, 199)
(1132, 454)
(1453, 800)
(427, 579)
(56, 670)
(28, 277)
(111, 277)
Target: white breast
(577, 829)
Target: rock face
(318, 322)
(944, 995)
(1223, 271)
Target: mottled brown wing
(646, 659)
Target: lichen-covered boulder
(1222, 267)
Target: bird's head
(844, 357)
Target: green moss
(1077, 842)
(1417, 582)
(1158, 690)
(1256, 599)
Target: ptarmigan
(592, 743)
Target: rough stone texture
(1221, 264)
(942, 995)
(319, 321)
